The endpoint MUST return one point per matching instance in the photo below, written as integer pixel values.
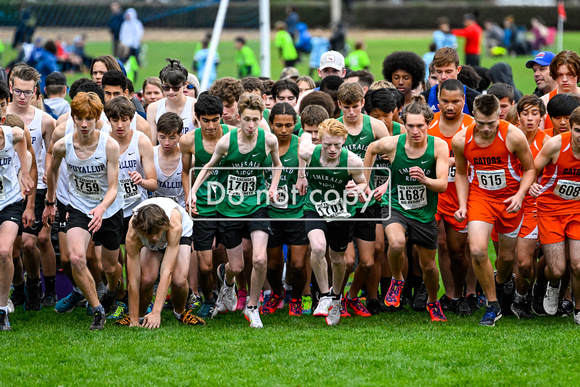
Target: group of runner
(360, 177)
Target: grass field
(390, 349)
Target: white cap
(332, 59)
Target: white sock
(4, 308)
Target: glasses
(174, 88)
(190, 87)
(27, 93)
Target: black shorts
(338, 233)
(287, 232)
(125, 228)
(38, 210)
(109, 235)
(366, 231)
(62, 216)
(12, 213)
(184, 241)
(204, 232)
(232, 231)
(419, 233)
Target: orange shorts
(494, 236)
(496, 214)
(450, 219)
(554, 229)
(529, 229)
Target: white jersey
(88, 182)
(169, 186)
(106, 125)
(105, 119)
(167, 205)
(130, 161)
(185, 114)
(9, 186)
(35, 128)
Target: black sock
(495, 304)
(385, 283)
(49, 282)
(19, 288)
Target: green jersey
(246, 63)
(245, 189)
(382, 174)
(285, 44)
(358, 145)
(408, 196)
(357, 60)
(202, 157)
(289, 203)
(326, 187)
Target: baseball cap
(290, 72)
(332, 59)
(55, 78)
(544, 58)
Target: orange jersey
(529, 203)
(448, 202)
(560, 194)
(492, 175)
(548, 121)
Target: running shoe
(306, 304)
(10, 306)
(125, 320)
(4, 322)
(109, 302)
(435, 311)
(374, 306)
(538, 300)
(481, 300)
(565, 309)
(420, 300)
(68, 303)
(242, 299)
(323, 306)
(393, 297)
(99, 320)
(188, 318)
(358, 308)
(461, 307)
(507, 298)
(522, 308)
(551, 299)
(343, 310)
(193, 301)
(492, 314)
(445, 302)
(295, 307)
(150, 307)
(207, 309)
(472, 302)
(252, 314)
(272, 303)
(168, 305)
(18, 298)
(120, 311)
(228, 295)
(577, 317)
(49, 300)
(33, 300)
(334, 311)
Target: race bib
(335, 210)
(412, 196)
(129, 189)
(283, 198)
(241, 186)
(451, 175)
(89, 188)
(2, 189)
(567, 189)
(491, 180)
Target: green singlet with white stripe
(201, 159)
(243, 185)
(382, 174)
(408, 196)
(289, 204)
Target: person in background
(285, 45)
(200, 59)
(152, 91)
(114, 24)
(358, 59)
(305, 83)
(46, 62)
(131, 32)
(319, 45)
(292, 20)
(338, 38)
(192, 87)
(541, 67)
(443, 36)
(502, 73)
(472, 35)
(494, 36)
(246, 61)
(55, 89)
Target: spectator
(443, 36)
(246, 61)
(292, 20)
(291, 73)
(320, 45)
(472, 35)
(131, 32)
(25, 29)
(541, 34)
(46, 62)
(358, 59)
(502, 73)
(55, 90)
(338, 38)
(285, 45)
(200, 59)
(304, 40)
(494, 36)
(115, 22)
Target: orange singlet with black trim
(548, 121)
(448, 202)
(492, 175)
(560, 193)
(529, 203)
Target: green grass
(377, 49)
